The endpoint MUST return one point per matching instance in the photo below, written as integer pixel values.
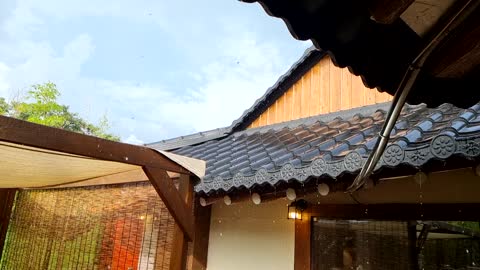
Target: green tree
(41, 106)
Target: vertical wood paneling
(297, 112)
(369, 94)
(315, 89)
(346, 89)
(358, 97)
(323, 89)
(306, 94)
(335, 87)
(324, 85)
(288, 104)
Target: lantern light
(291, 195)
(296, 208)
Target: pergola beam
(34, 135)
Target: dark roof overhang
(381, 52)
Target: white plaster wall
(247, 236)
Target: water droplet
(467, 251)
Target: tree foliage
(41, 106)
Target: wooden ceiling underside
(378, 39)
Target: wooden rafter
(387, 11)
(460, 54)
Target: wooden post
(412, 244)
(303, 231)
(7, 197)
(180, 240)
(202, 234)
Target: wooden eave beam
(435, 212)
(175, 203)
(34, 135)
(460, 54)
(387, 11)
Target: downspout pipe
(402, 92)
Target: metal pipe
(402, 92)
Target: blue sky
(157, 68)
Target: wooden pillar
(412, 244)
(7, 197)
(180, 240)
(202, 234)
(303, 231)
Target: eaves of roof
(379, 53)
(335, 144)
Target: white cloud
(132, 139)
(241, 70)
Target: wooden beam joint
(175, 203)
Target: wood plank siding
(325, 88)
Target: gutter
(402, 91)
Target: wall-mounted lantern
(296, 208)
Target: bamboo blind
(101, 227)
(367, 245)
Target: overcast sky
(157, 68)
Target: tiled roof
(332, 144)
(192, 139)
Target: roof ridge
(191, 139)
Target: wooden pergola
(91, 158)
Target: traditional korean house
(276, 191)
